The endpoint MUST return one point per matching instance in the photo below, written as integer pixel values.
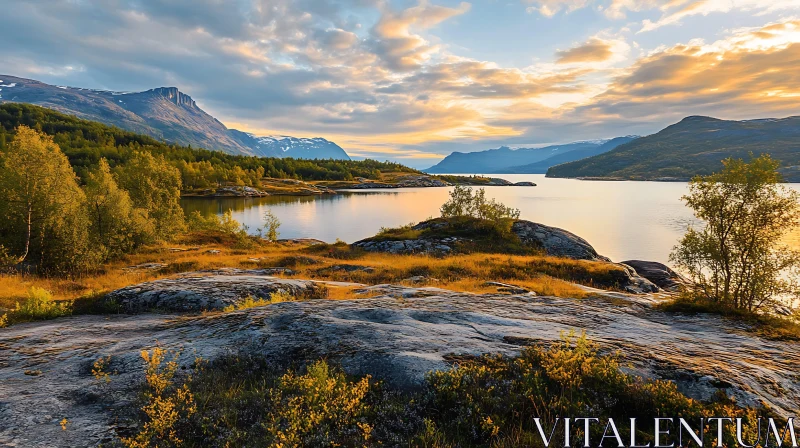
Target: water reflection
(622, 220)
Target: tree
(116, 227)
(44, 218)
(463, 202)
(271, 225)
(154, 185)
(736, 259)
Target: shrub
(39, 305)
(490, 401)
(165, 403)
(463, 202)
(229, 228)
(319, 408)
(484, 401)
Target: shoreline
(293, 187)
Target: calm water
(622, 220)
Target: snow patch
(8, 85)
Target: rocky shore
(423, 181)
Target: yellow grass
(541, 274)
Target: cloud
(752, 73)
(395, 43)
(377, 79)
(594, 50)
(676, 10)
(550, 8)
(672, 11)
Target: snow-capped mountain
(165, 113)
(287, 146)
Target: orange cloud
(594, 50)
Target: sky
(413, 80)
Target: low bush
(464, 202)
(405, 232)
(223, 229)
(481, 402)
(37, 305)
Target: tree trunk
(29, 219)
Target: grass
(766, 325)
(398, 233)
(245, 400)
(467, 272)
(253, 302)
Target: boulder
(660, 274)
(556, 242)
(633, 283)
(434, 246)
(202, 291)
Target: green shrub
(482, 402)
(39, 305)
(229, 230)
(463, 202)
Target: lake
(622, 220)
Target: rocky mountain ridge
(164, 113)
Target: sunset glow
(415, 80)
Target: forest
(86, 142)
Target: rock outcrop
(212, 290)
(404, 182)
(229, 192)
(398, 337)
(556, 242)
(630, 281)
(440, 246)
(660, 274)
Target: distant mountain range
(164, 113)
(695, 145)
(523, 160)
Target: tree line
(55, 224)
(85, 143)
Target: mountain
(695, 145)
(164, 113)
(286, 146)
(541, 167)
(502, 159)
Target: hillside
(500, 159)
(695, 145)
(164, 113)
(541, 167)
(85, 142)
